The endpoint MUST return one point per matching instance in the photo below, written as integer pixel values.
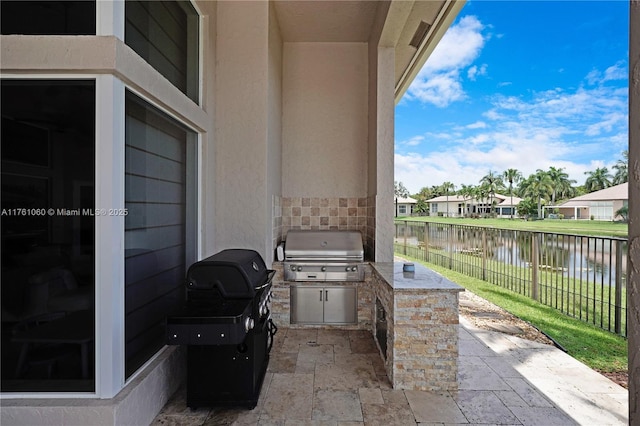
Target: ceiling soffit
(353, 21)
(325, 21)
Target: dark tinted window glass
(48, 17)
(157, 233)
(165, 34)
(47, 228)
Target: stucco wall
(207, 164)
(325, 120)
(242, 206)
(384, 155)
(274, 134)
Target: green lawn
(582, 299)
(599, 349)
(564, 226)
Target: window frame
(193, 61)
(191, 183)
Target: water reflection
(592, 259)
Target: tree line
(551, 186)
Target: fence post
(426, 241)
(406, 231)
(484, 254)
(534, 266)
(450, 245)
(618, 302)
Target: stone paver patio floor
(336, 377)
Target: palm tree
(425, 193)
(598, 179)
(446, 187)
(492, 181)
(560, 182)
(538, 186)
(481, 193)
(512, 176)
(400, 192)
(622, 169)
(466, 191)
(422, 197)
(623, 212)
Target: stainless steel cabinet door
(322, 305)
(307, 305)
(340, 305)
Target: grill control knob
(248, 324)
(355, 268)
(324, 268)
(347, 269)
(293, 267)
(299, 268)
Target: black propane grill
(225, 323)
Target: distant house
(458, 206)
(405, 206)
(599, 205)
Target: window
(47, 283)
(402, 209)
(165, 34)
(601, 210)
(159, 236)
(48, 17)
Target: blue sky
(523, 85)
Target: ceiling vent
(419, 35)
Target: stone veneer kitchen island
(419, 311)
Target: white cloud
(477, 125)
(615, 72)
(414, 141)
(439, 82)
(439, 90)
(444, 135)
(558, 127)
(473, 72)
(606, 124)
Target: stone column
(633, 285)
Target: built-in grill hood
(323, 256)
(324, 245)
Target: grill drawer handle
(321, 295)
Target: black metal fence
(582, 276)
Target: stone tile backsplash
(315, 213)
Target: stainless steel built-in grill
(225, 323)
(323, 256)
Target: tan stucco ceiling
(354, 20)
(325, 21)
